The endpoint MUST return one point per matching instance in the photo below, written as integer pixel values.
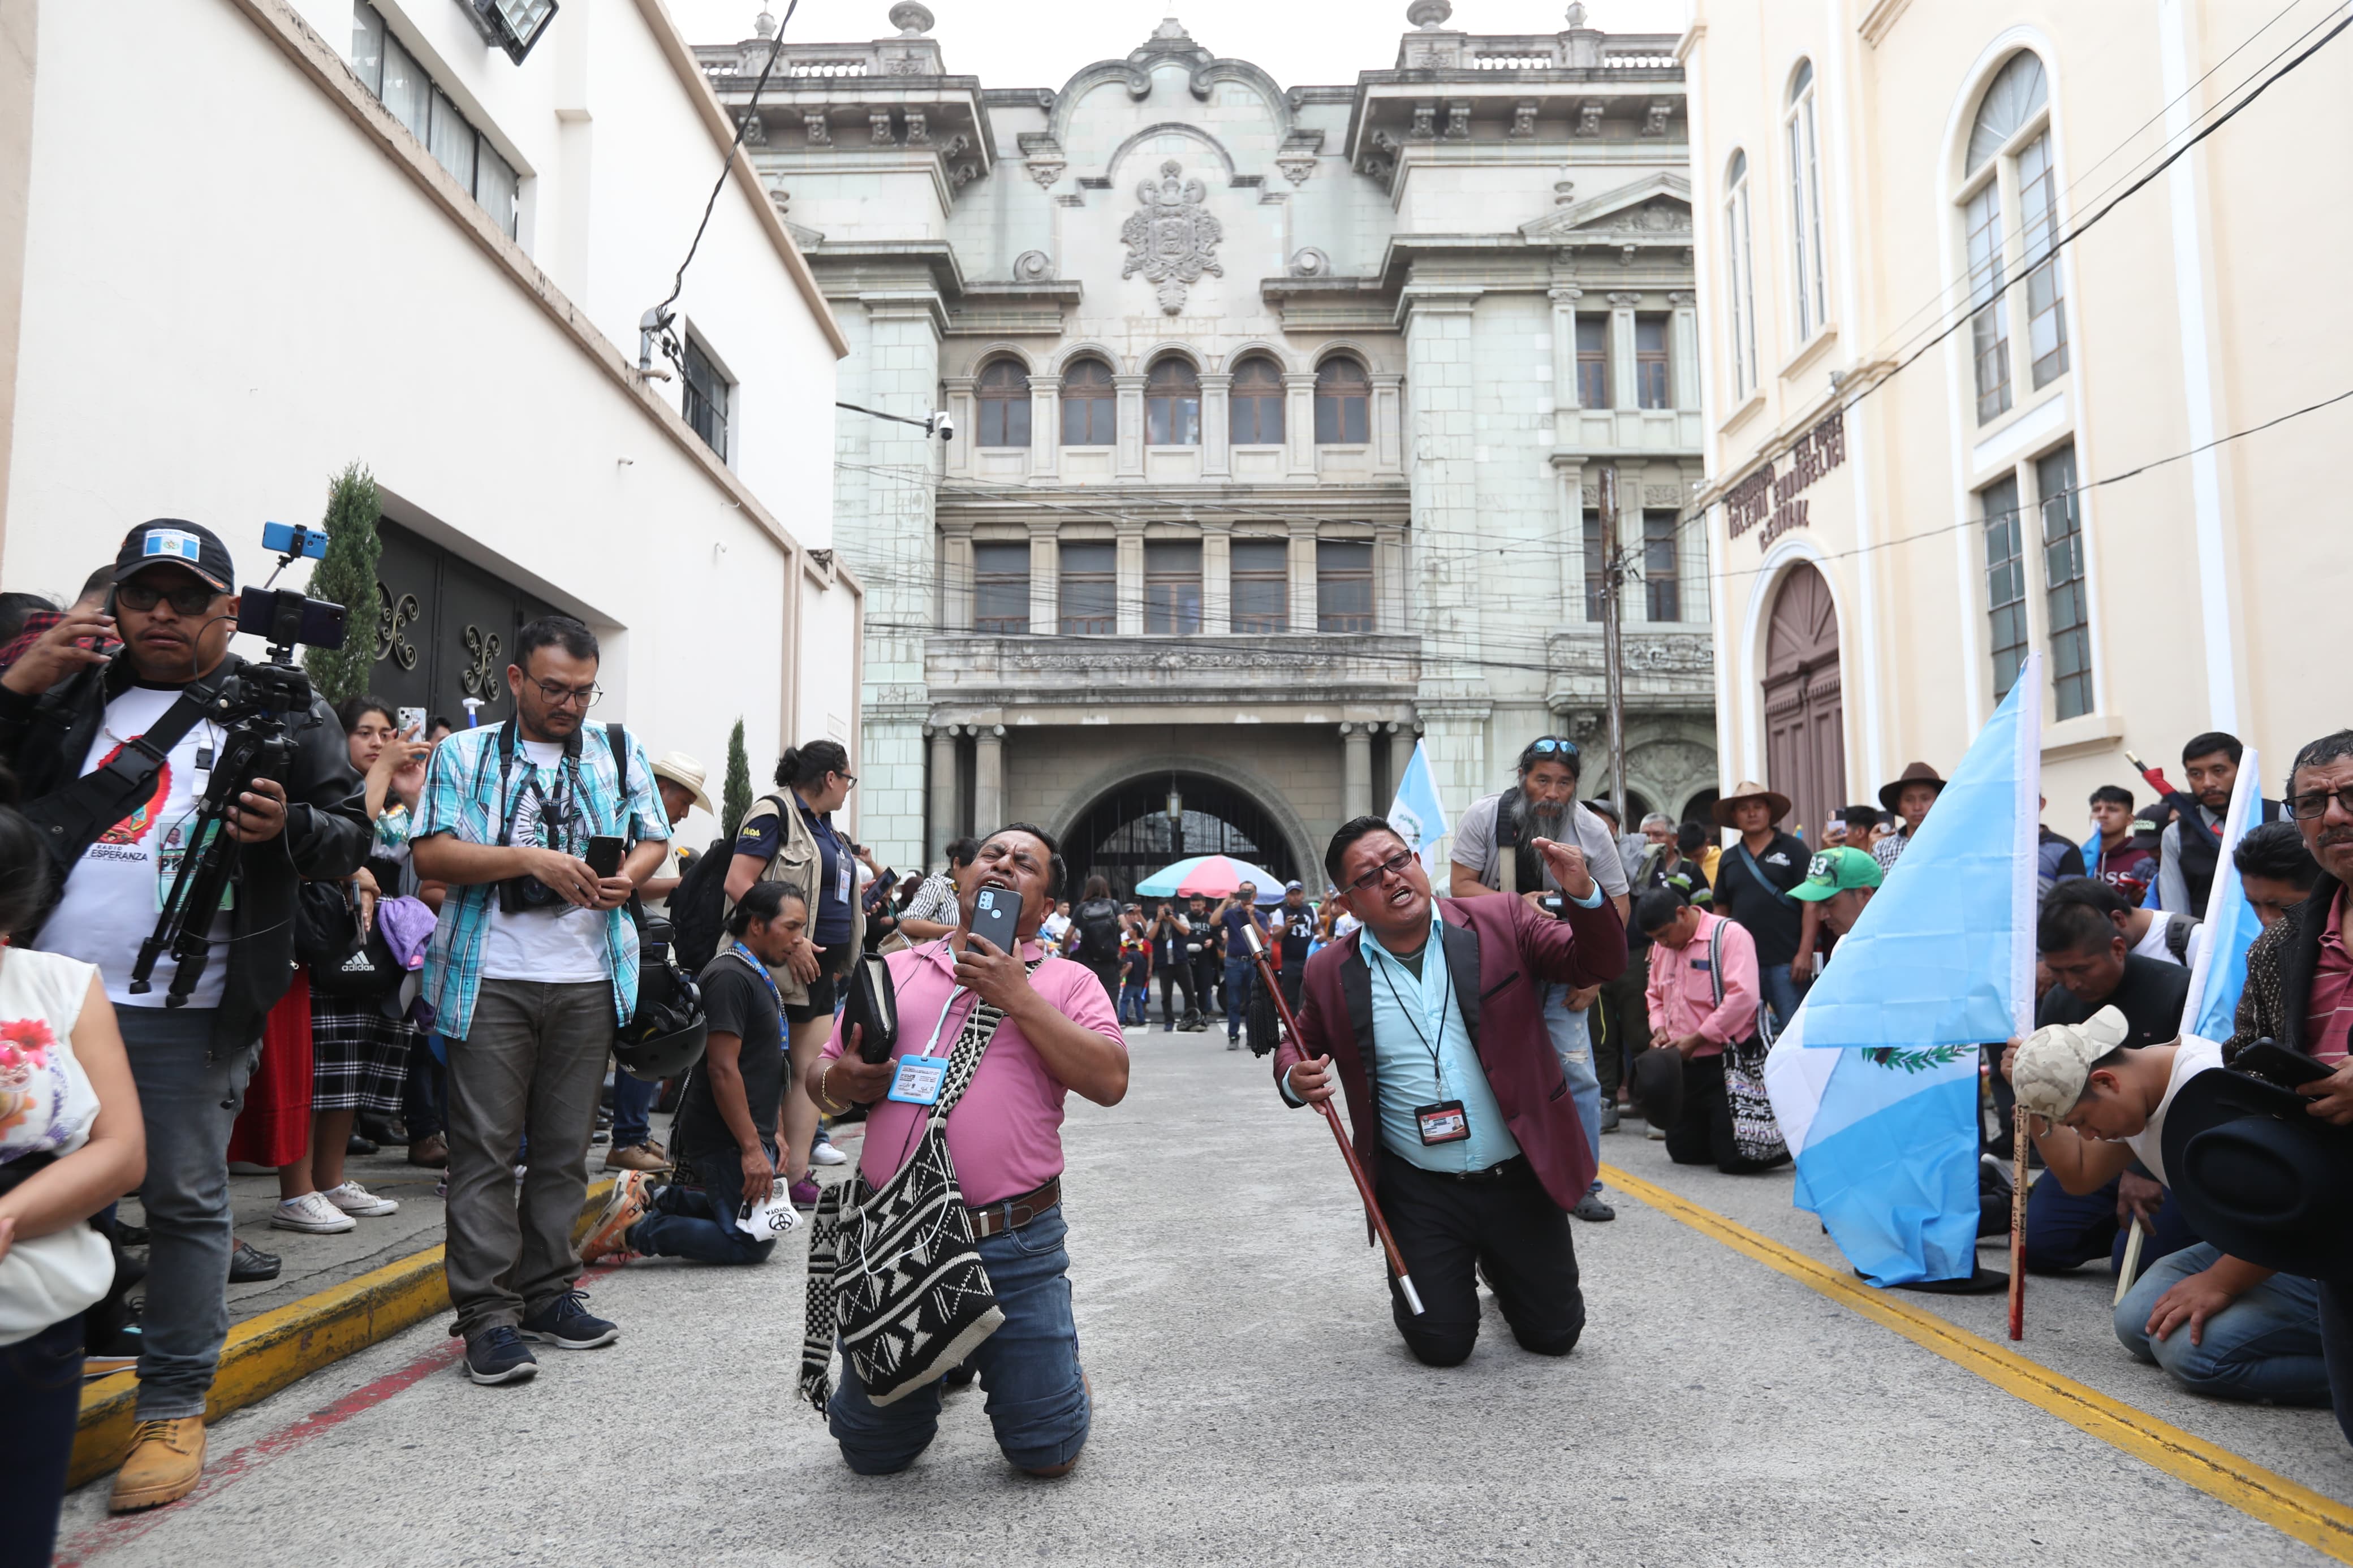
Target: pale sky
(1039, 43)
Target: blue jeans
(1572, 1037)
(1030, 1368)
(2263, 1346)
(2064, 1231)
(40, 1388)
(1781, 994)
(189, 1102)
(701, 1226)
(1237, 990)
(633, 1106)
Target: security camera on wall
(941, 425)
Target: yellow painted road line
(268, 1351)
(2286, 1506)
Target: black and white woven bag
(899, 1277)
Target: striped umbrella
(1212, 875)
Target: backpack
(2176, 937)
(1098, 922)
(698, 908)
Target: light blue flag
(1874, 1082)
(1417, 814)
(2231, 925)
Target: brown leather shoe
(640, 1157)
(431, 1152)
(167, 1460)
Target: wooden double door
(1805, 717)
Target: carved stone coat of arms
(1169, 241)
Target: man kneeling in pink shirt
(1060, 1033)
(1702, 999)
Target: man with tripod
(117, 752)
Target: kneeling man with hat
(1431, 1016)
(2219, 1325)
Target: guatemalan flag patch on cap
(170, 543)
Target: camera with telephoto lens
(256, 709)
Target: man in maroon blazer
(1430, 1016)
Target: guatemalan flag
(1417, 814)
(1874, 1082)
(2213, 1009)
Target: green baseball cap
(1835, 870)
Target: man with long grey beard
(1545, 805)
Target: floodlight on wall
(513, 24)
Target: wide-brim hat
(1919, 773)
(2259, 1176)
(1750, 789)
(1657, 1086)
(687, 774)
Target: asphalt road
(1253, 1405)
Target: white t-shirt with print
(118, 887)
(2190, 1058)
(47, 1107)
(563, 943)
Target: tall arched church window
(1090, 405)
(1172, 404)
(2010, 164)
(1343, 399)
(1003, 394)
(1809, 267)
(1740, 276)
(1256, 401)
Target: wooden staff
(2018, 1144)
(1339, 1134)
(2126, 1275)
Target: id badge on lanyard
(918, 1079)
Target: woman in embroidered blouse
(359, 1056)
(70, 1144)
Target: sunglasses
(191, 600)
(1551, 746)
(1393, 867)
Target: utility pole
(1613, 583)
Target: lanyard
(784, 1026)
(942, 1022)
(1437, 1066)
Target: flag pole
(1363, 1188)
(2018, 1144)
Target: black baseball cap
(173, 541)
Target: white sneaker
(827, 1154)
(353, 1199)
(1656, 1134)
(313, 1212)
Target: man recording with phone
(532, 966)
(115, 754)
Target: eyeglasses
(849, 781)
(1552, 745)
(192, 600)
(2308, 808)
(1393, 867)
(559, 695)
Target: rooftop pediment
(1654, 210)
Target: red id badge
(1445, 1122)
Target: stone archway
(1805, 716)
(1136, 789)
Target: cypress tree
(736, 796)
(346, 575)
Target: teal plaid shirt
(462, 797)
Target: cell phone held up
(996, 911)
(604, 854)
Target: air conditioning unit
(513, 24)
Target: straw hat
(687, 774)
(1750, 789)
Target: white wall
(216, 340)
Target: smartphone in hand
(996, 913)
(604, 854)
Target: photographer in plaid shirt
(532, 966)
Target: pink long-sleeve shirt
(1681, 991)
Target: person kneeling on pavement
(1702, 999)
(1058, 1034)
(2218, 1324)
(726, 1125)
(1472, 1139)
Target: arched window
(1257, 403)
(1090, 405)
(1740, 277)
(1172, 404)
(1003, 393)
(2008, 163)
(1343, 400)
(1805, 204)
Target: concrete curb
(283, 1346)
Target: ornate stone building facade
(1278, 418)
